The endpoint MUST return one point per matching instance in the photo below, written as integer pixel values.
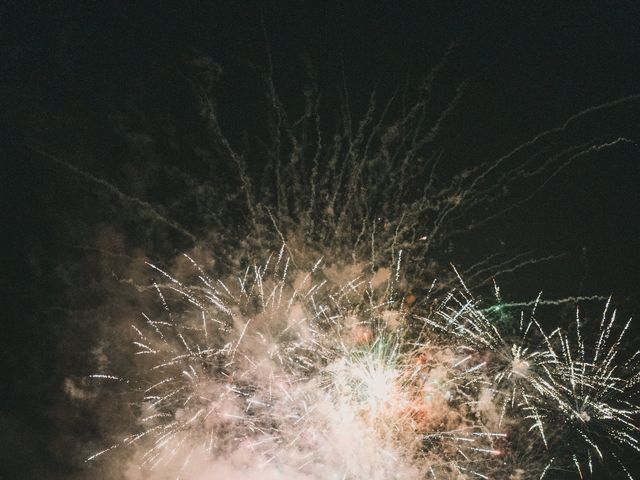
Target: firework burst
(288, 374)
(358, 364)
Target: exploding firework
(344, 353)
(283, 373)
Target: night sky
(106, 87)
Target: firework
(339, 356)
(283, 373)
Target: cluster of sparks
(285, 374)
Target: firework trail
(331, 339)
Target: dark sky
(68, 71)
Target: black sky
(68, 68)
